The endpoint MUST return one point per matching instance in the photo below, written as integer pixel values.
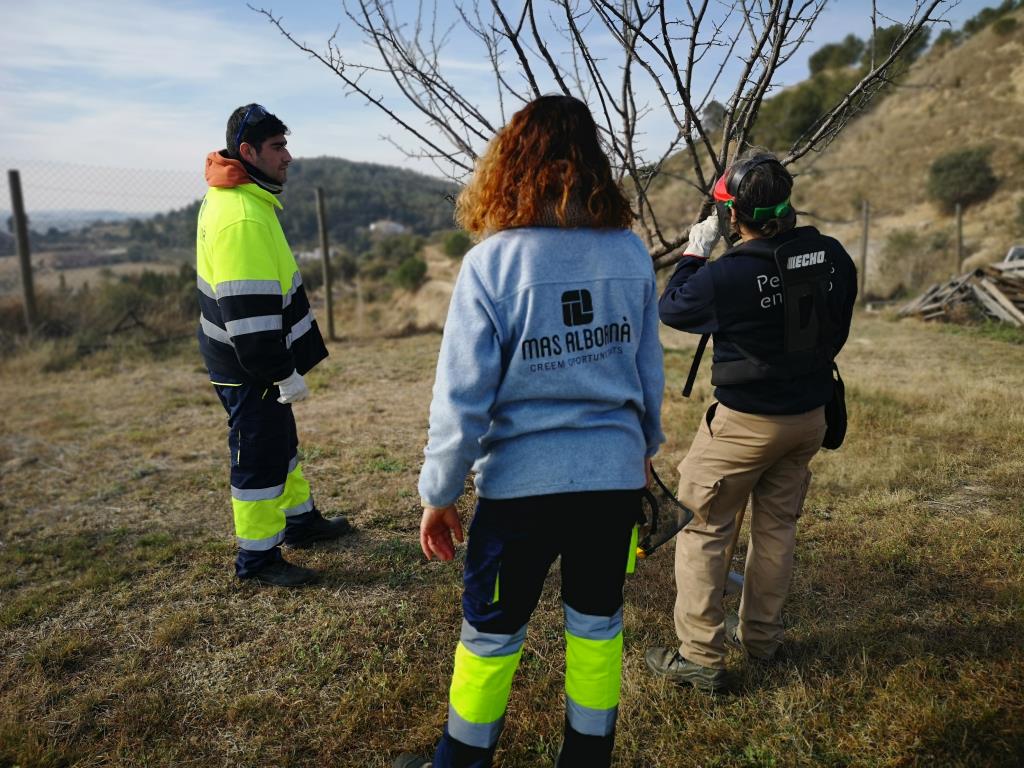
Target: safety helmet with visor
(728, 186)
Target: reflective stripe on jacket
(255, 323)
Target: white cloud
(149, 84)
(118, 41)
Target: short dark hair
(259, 125)
(766, 184)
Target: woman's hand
(436, 529)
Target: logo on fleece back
(577, 307)
(582, 344)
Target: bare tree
(650, 94)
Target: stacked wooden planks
(995, 291)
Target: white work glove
(292, 389)
(703, 237)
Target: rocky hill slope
(955, 97)
(968, 96)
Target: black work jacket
(738, 299)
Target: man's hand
(293, 389)
(703, 237)
(647, 473)
(436, 529)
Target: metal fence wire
(82, 218)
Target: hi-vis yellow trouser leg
(512, 544)
(267, 484)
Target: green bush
(910, 260)
(312, 275)
(990, 16)
(963, 176)
(949, 37)
(1005, 26)
(410, 273)
(456, 243)
(835, 69)
(834, 55)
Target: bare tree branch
(642, 95)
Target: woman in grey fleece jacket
(549, 386)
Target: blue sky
(149, 84)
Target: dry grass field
(48, 278)
(127, 642)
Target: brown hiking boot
(732, 637)
(667, 662)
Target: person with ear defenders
(778, 305)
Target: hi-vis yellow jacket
(255, 324)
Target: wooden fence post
(326, 256)
(359, 305)
(866, 211)
(20, 221)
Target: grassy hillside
(967, 96)
(127, 641)
(355, 194)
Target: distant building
(387, 228)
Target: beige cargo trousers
(735, 457)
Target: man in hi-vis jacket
(258, 337)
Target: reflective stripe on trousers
(514, 542)
(259, 522)
(267, 484)
(485, 664)
(593, 671)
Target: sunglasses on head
(253, 116)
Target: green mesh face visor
(771, 212)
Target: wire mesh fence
(84, 218)
(126, 233)
(68, 196)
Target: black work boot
(307, 529)
(281, 573)
(409, 760)
(667, 662)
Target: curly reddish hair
(546, 161)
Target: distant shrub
(949, 37)
(312, 275)
(834, 55)
(989, 16)
(963, 176)
(410, 273)
(134, 315)
(1007, 25)
(909, 260)
(456, 243)
(387, 254)
(835, 69)
(886, 39)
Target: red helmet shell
(720, 193)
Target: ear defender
(729, 184)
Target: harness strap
(692, 376)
